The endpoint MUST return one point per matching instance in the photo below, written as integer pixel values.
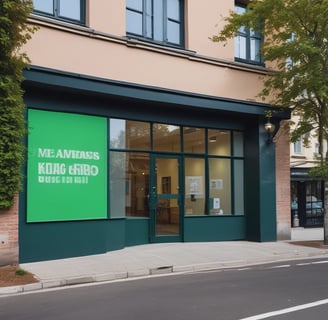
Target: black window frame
(166, 20)
(56, 13)
(249, 37)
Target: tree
(296, 45)
(14, 33)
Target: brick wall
(9, 235)
(282, 142)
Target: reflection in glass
(239, 187)
(194, 140)
(167, 217)
(173, 9)
(117, 133)
(134, 22)
(129, 184)
(166, 137)
(132, 135)
(70, 9)
(167, 205)
(255, 50)
(44, 6)
(219, 186)
(219, 142)
(240, 47)
(137, 135)
(117, 185)
(137, 187)
(173, 32)
(194, 186)
(134, 4)
(238, 144)
(149, 19)
(158, 21)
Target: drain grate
(162, 269)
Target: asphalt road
(248, 293)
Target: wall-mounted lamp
(212, 139)
(269, 128)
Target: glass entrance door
(165, 199)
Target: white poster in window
(194, 185)
(216, 203)
(216, 184)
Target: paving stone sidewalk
(152, 259)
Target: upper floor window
(69, 10)
(316, 148)
(156, 20)
(298, 146)
(247, 42)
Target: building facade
(142, 130)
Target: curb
(107, 277)
(50, 284)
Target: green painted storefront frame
(53, 90)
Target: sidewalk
(154, 259)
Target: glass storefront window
(129, 184)
(195, 186)
(194, 140)
(219, 142)
(219, 186)
(213, 183)
(117, 184)
(137, 135)
(117, 133)
(166, 137)
(137, 184)
(239, 208)
(132, 135)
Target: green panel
(115, 234)
(67, 167)
(214, 228)
(125, 90)
(260, 194)
(268, 219)
(137, 231)
(47, 241)
(252, 193)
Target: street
(248, 293)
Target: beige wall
(204, 19)
(101, 50)
(106, 16)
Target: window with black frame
(155, 20)
(247, 41)
(67, 10)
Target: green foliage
(296, 43)
(20, 272)
(14, 33)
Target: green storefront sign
(67, 167)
